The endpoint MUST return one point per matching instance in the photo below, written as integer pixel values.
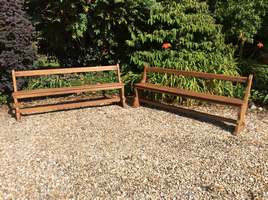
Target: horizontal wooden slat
(188, 111)
(66, 90)
(190, 94)
(204, 75)
(43, 72)
(47, 108)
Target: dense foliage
(260, 72)
(184, 36)
(61, 26)
(245, 25)
(16, 36)
(241, 20)
(181, 34)
(87, 32)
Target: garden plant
(17, 49)
(209, 36)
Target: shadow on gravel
(11, 110)
(203, 117)
(200, 116)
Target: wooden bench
(25, 94)
(241, 104)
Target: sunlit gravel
(145, 153)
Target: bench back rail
(239, 79)
(45, 72)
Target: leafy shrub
(260, 83)
(184, 36)
(3, 98)
(61, 26)
(16, 36)
(44, 61)
(259, 96)
(130, 78)
(241, 20)
(87, 32)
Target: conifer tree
(183, 35)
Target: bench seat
(190, 94)
(66, 90)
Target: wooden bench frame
(241, 104)
(25, 94)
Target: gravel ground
(144, 153)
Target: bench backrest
(69, 70)
(239, 79)
(204, 75)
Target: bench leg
(241, 119)
(136, 102)
(17, 110)
(104, 93)
(123, 98)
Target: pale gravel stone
(145, 153)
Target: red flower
(166, 45)
(260, 45)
